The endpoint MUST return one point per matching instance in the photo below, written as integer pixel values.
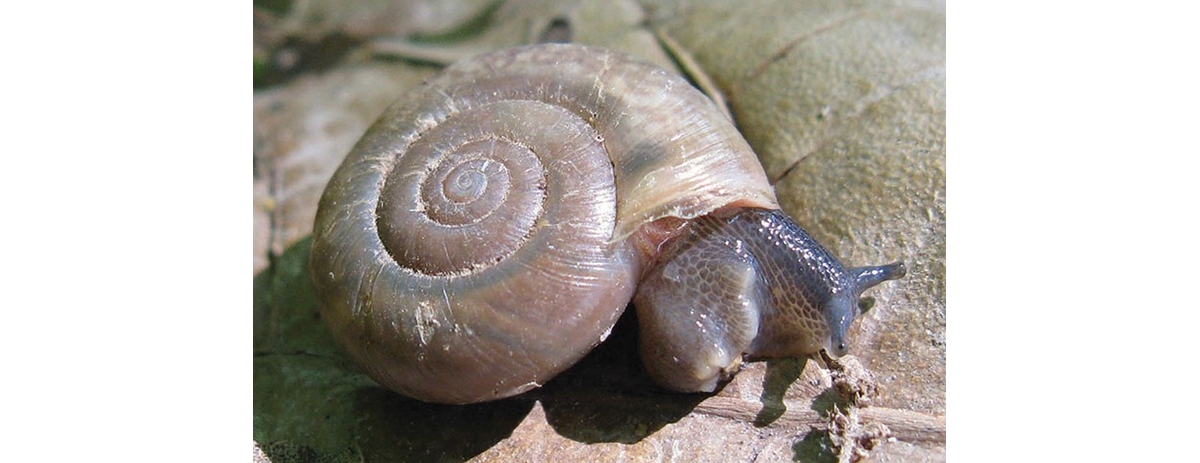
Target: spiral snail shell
(488, 230)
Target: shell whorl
(473, 244)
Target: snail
(488, 230)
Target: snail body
(489, 229)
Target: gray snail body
(489, 229)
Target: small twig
(694, 71)
(906, 425)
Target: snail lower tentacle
(492, 225)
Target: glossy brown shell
(446, 297)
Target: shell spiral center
(463, 202)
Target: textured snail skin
(488, 230)
(746, 281)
